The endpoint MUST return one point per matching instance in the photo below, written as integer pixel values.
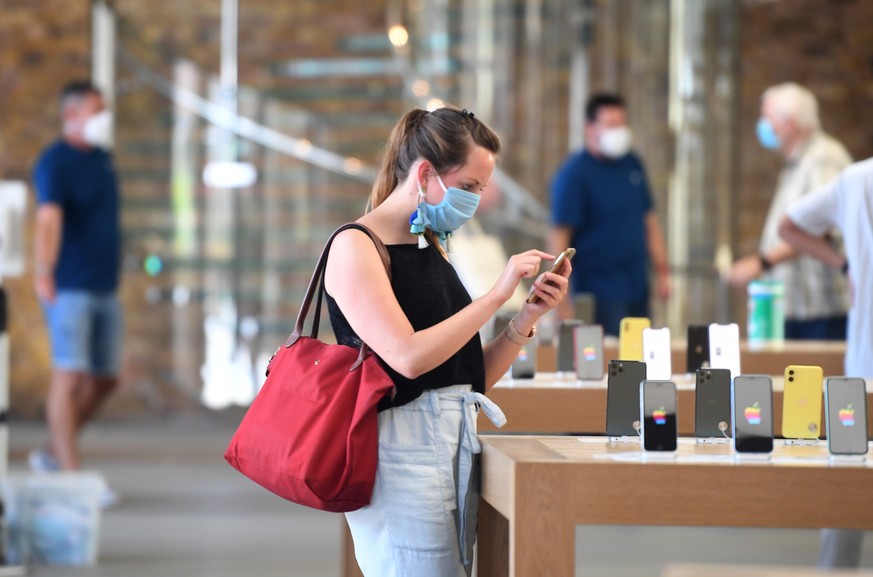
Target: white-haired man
(816, 298)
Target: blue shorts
(85, 329)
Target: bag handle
(316, 283)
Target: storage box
(52, 518)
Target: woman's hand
(550, 288)
(519, 266)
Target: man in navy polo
(78, 257)
(602, 206)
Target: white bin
(53, 518)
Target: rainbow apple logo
(753, 414)
(590, 353)
(847, 416)
(660, 416)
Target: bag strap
(316, 284)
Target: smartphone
(525, 364)
(565, 357)
(846, 415)
(724, 347)
(588, 352)
(630, 337)
(623, 396)
(657, 354)
(556, 266)
(697, 352)
(801, 402)
(752, 413)
(712, 403)
(658, 415)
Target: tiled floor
(184, 512)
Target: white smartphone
(846, 415)
(658, 415)
(556, 266)
(724, 347)
(588, 352)
(657, 354)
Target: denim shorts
(85, 329)
(421, 520)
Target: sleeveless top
(429, 291)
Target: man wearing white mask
(602, 206)
(816, 299)
(78, 255)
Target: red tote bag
(311, 434)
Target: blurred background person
(816, 299)
(78, 250)
(602, 206)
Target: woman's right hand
(523, 265)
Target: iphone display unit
(565, 357)
(556, 266)
(712, 403)
(724, 347)
(657, 354)
(801, 402)
(697, 352)
(623, 397)
(752, 413)
(658, 415)
(588, 352)
(630, 338)
(525, 365)
(846, 415)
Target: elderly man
(816, 299)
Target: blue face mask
(454, 211)
(766, 135)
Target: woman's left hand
(550, 289)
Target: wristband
(516, 337)
(765, 264)
(845, 267)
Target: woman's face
(472, 176)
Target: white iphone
(657, 354)
(724, 347)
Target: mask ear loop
(418, 220)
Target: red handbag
(311, 434)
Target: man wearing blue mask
(602, 207)
(816, 299)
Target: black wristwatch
(765, 264)
(845, 267)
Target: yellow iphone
(801, 402)
(630, 338)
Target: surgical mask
(766, 135)
(454, 211)
(98, 130)
(615, 142)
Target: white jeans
(421, 519)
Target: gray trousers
(840, 549)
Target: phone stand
(712, 440)
(625, 439)
(802, 442)
(846, 460)
(658, 455)
(751, 457)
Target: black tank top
(429, 291)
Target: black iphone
(623, 396)
(658, 415)
(712, 403)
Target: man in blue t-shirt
(602, 206)
(77, 269)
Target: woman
(424, 327)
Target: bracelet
(516, 337)
(765, 264)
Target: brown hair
(444, 137)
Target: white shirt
(812, 289)
(847, 204)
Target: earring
(418, 220)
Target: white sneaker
(42, 461)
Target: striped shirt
(813, 290)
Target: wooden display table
(535, 490)
(695, 570)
